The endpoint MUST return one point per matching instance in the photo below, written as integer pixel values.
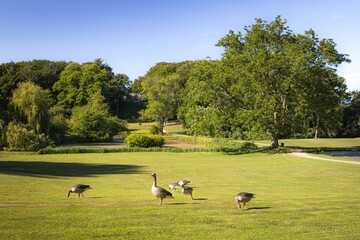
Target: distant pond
(342, 153)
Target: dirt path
(305, 155)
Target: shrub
(20, 138)
(155, 129)
(225, 145)
(144, 140)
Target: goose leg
(82, 195)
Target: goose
(79, 189)
(183, 182)
(187, 191)
(174, 186)
(159, 192)
(243, 197)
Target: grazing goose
(243, 197)
(183, 182)
(174, 186)
(187, 191)
(79, 189)
(159, 192)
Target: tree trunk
(274, 141)
(317, 127)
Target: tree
(351, 117)
(207, 107)
(32, 102)
(274, 71)
(117, 92)
(92, 122)
(78, 82)
(162, 86)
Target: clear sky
(133, 35)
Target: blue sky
(133, 35)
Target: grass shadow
(61, 169)
(258, 208)
(202, 199)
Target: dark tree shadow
(51, 169)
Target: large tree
(78, 82)
(275, 72)
(162, 86)
(33, 103)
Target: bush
(225, 145)
(144, 140)
(20, 138)
(155, 129)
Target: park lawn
(296, 198)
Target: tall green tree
(32, 102)
(162, 87)
(78, 82)
(117, 92)
(274, 72)
(208, 106)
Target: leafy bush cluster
(144, 140)
(19, 138)
(225, 145)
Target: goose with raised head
(159, 192)
(243, 197)
(187, 191)
(79, 189)
(174, 186)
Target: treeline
(44, 102)
(270, 83)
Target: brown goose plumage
(159, 192)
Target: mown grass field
(296, 198)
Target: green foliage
(162, 86)
(155, 129)
(78, 82)
(144, 140)
(2, 134)
(58, 124)
(33, 103)
(351, 117)
(282, 81)
(226, 145)
(20, 138)
(93, 122)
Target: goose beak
(68, 194)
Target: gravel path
(305, 155)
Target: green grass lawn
(296, 198)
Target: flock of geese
(241, 198)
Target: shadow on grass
(202, 199)
(257, 208)
(59, 169)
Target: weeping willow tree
(32, 104)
